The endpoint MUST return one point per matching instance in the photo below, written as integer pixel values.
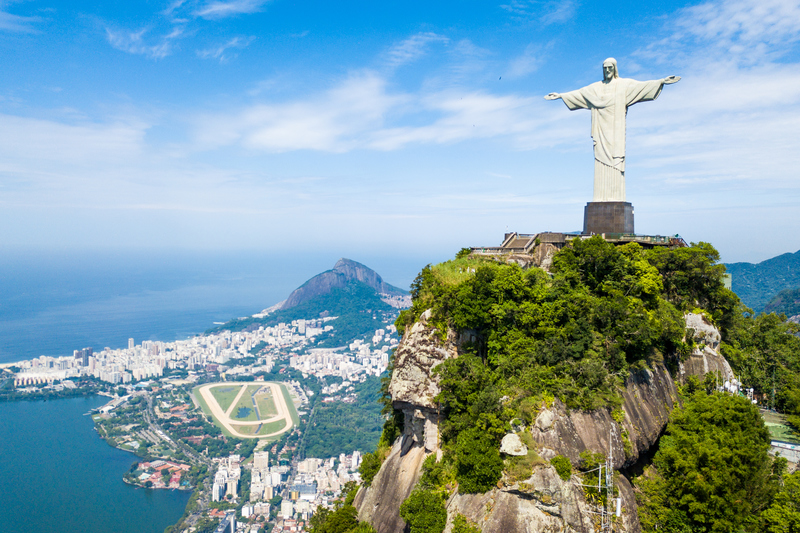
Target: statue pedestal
(607, 217)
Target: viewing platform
(526, 243)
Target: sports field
(248, 410)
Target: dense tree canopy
(712, 472)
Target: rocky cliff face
(544, 502)
(343, 272)
(706, 357)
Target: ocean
(52, 303)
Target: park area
(250, 409)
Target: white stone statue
(609, 100)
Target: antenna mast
(605, 483)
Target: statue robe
(609, 105)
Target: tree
(712, 472)
(783, 516)
(478, 462)
(424, 511)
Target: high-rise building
(130, 344)
(227, 524)
(261, 461)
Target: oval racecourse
(249, 409)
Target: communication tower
(605, 487)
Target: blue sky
(388, 128)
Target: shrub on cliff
(424, 511)
(563, 467)
(478, 462)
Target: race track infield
(225, 401)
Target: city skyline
(391, 128)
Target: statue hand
(671, 79)
(552, 96)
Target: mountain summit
(344, 272)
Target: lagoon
(57, 474)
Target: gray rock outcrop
(649, 398)
(512, 445)
(706, 357)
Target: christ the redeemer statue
(609, 100)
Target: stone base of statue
(607, 217)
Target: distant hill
(787, 301)
(343, 272)
(350, 291)
(756, 284)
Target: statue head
(610, 69)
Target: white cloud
(526, 63)
(220, 52)
(137, 42)
(463, 117)
(23, 138)
(739, 22)
(732, 31)
(332, 122)
(413, 48)
(359, 113)
(546, 11)
(16, 23)
(220, 9)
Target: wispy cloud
(138, 42)
(334, 121)
(413, 48)
(360, 113)
(33, 139)
(526, 63)
(220, 9)
(221, 52)
(16, 23)
(720, 31)
(545, 11)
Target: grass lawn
(782, 432)
(245, 430)
(266, 404)
(272, 427)
(225, 394)
(778, 428)
(246, 402)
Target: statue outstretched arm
(668, 80)
(554, 96)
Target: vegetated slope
(756, 284)
(787, 302)
(604, 314)
(343, 273)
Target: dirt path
(224, 417)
